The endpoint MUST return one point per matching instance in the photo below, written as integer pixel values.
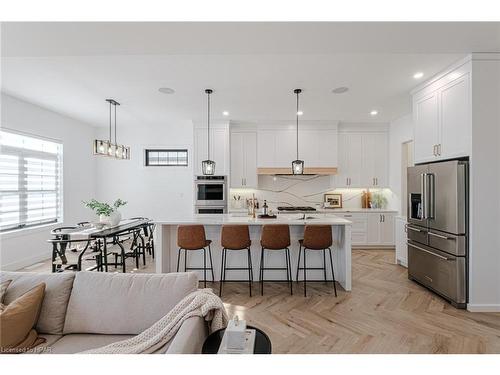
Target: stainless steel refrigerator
(438, 228)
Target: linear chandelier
(107, 147)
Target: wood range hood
(325, 171)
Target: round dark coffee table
(212, 342)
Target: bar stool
(275, 237)
(235, 237)
(316, 237)
(192, 237)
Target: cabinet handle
(439, 149)
(376, 181)
(429, 252)
(383, 217)
(440, 236)
(434, 150)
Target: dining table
(62, 238)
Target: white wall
(28, 246)
(400, 131)
(153, 192)
(484, 273)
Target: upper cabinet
(243, 159)
(219, 148)
(442, 116)
(277, 146)
(363, 157)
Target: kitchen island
(167, 249)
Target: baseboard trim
(483, 307)
(15, 266)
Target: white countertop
(220, 219)
(361, 210)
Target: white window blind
(30, 181)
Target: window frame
(22, 186)
(147, 151)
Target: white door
(218, 150)
(369, 155)
(387, 229)
(250, 159)
(237, 160)
(455, 118)
(426, 126)
(400, 241)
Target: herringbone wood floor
(384, 313)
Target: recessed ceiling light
(300, 113)
(374, 112)
(166, 90)
(225, 113)
(418, 75)
(340, 90)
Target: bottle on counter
(265, 208)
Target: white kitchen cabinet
(363, 159)
(442, 117)
(277, 146)
(350, 166)
(374, 160)
(243, 159)
(219, 148)
(371, 229)
(400, 240)
(426, 133)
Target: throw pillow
(17, 321)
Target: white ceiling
(252, 67)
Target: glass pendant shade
(298, 167)
(208, 167)
(107, 147)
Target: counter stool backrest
(317, 237)
(235, 237)
(275, 236)
(191, 237)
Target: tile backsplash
(299, 191)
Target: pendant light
(297, 165)
(208, 166)
(107, 147)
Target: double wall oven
(438, 228)
(210, 194)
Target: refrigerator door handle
(440, 236)
(429, 252)
(431, 204)
(423, 190)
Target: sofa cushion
(76, 343)
(126, 304)
(45, 347)
(57, 291)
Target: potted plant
(108, 214)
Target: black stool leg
(178, 259)
(204, 268)
(249, 260)
(185, 259)
(298, 264)
(289, 269)
(261, 276)
(211, 263)
(305, 282)
(333, 273)
(223, 262)
(324, 263)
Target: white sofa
(86, 310)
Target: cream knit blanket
(202, 303)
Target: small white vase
(111, 220)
